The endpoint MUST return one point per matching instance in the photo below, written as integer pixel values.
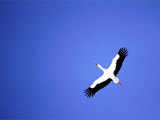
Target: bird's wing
(90, 92)
(118, 60)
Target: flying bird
(109, 74)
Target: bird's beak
(120, 83)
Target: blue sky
(47, 52)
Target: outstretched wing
(90, 92)
(123, 52)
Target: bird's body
(109, 74)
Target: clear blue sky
(47, 51)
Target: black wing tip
(89, 92)
(123, 51)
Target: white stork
(110, 74)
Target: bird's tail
(123, 52)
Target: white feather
(108, 73)
(112, 67)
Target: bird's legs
(120, 83)
(116, 80)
